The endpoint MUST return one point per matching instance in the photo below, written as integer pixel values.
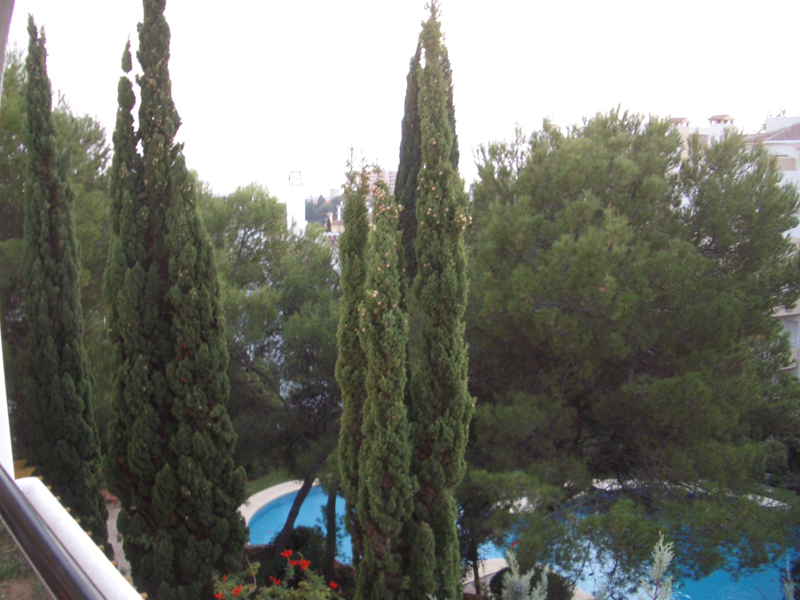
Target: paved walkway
(123, 566)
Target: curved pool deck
(260, 499)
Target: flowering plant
(311, 587)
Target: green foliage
(13, 158)
(280, 293)
(558, 587)
(306, 541)
(440, 406)
(307, 427)
(171, 442)
(248, 231)
(81, 141)
(309, 543)
(352, 362)
(386, 489)
(274, 478)
(517, 586)
(317, 212)
(84, 142)
(59, 415)
(12, 165)
(401, 555)
(485, 511)
(12, 562)
(406, 188)
(621, 330)
(290, 585)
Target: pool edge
(260, 499)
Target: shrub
(558, 587)
(307, 541)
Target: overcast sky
(266, 87)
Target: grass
(17, 579)
(262, 483)
(12, 563)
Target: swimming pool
(720, 585)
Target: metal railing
(53, 563)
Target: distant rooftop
(784, 134)
(721, 119)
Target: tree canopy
(281, 299)
(59, 410)
(621, 330)
(440, 406)
(171, 441)
(386, 487)
(81, 141)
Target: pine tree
(351, 364)
(406, 188)
(171, 443)
(440, 406)
(60, 417)
(385, 495)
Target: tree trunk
(477, 575)
(328, 563)
(476, 567)
(283, 538)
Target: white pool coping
(260, 499)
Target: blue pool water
(762, 585)
(268, 521)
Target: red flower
(224, 578)
(286, 553)
(274, 580)
(304, 564)
(218, 595)
(237, 590)
(293, 562)
(514, 543)
(334, 585)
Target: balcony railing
(61, 553)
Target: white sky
(266, 87)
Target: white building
(781, 136)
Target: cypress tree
(385, 495)
(171, 442)
(351, 363)
(60, 417)
(406, 188)
(440, 406)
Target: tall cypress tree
(171, 443)
(60, 417)
(385, 495)
(406, 188)
(440, 406)
(351, 363)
